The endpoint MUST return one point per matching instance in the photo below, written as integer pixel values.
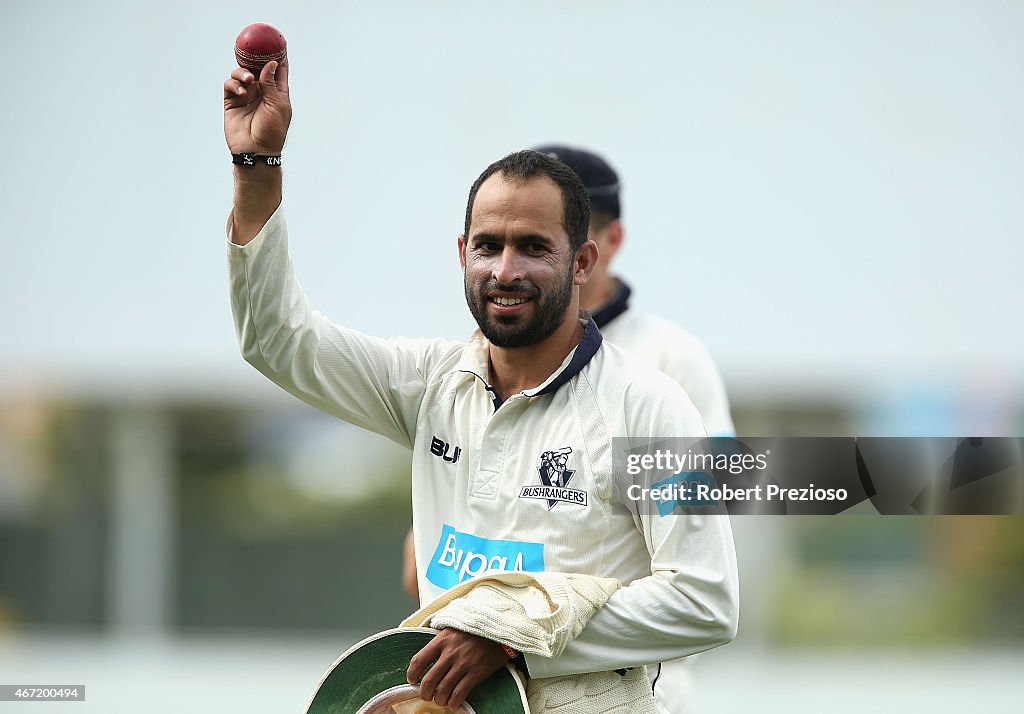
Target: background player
(657, 341)
(660, 342)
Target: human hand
(257, 112)
(460, 662)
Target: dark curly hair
(527, 165)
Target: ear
(616, 234)
(586, 259)
(462, 252)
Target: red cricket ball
(257, 44)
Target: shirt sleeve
(691, 365)
(374, 383)
(689, 602)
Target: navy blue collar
(589, 344)
(614, 307)
(475, 357)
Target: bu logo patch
(440, 448)
(461, 556)
(554, 478)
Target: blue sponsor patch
(680, 490)
(461, 556)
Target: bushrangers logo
(555, 478)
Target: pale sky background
(824, 191)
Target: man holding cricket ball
(532, 402)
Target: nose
(509, 267)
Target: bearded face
(522, 314)
(518, 264)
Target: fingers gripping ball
(258, 44)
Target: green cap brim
(379, 663)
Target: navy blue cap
(600, 179)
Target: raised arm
(256, 119)
(371, 382)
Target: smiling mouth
(509, 301)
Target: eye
(536, 247)
(488, 246)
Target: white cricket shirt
(680, 355)
(527, 484)
(674, 351)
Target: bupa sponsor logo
(680, 490)
(461, 556)
(441, 448)
(554, 480)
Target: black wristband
(247, 159)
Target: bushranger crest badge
(554, 477)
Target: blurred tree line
(284, 519)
